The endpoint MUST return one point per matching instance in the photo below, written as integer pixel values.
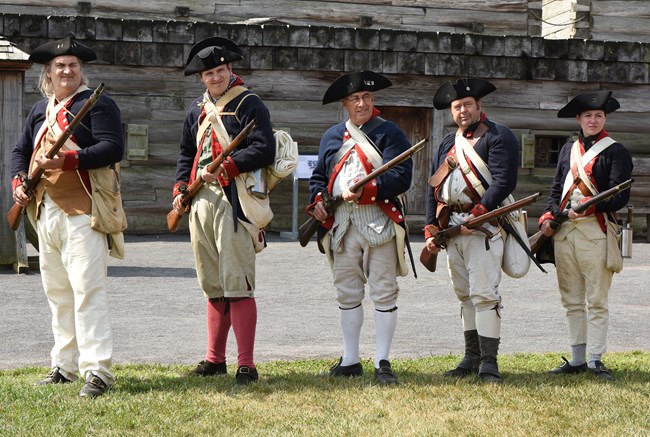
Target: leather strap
(447, 166)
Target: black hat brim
(67, 46)
(210, 53)
(598, 100)
(447, 93)
(353, 83)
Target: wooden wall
(493, 17)
(290, 67)
(620, 20)
(12, 77)
(603, 20)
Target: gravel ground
(158, 312)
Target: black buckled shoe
(54, 377)
(384, 374)
(207, 368)
(351, 370)
(601, 371)
(246, 375)
(567, 369)
(93, 387)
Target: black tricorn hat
(62, 47)
(588, 102)
(353, 83)
(449, 92)
(210, 53)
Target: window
(541, 150)
(547, 149)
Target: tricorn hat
(62, 47)
(449, 92)
(355, 82)
(588, 102)
(210, 53)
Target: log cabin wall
(13, 64)
(619, 20)
(493, 17)
(604, 20)
(290, 66)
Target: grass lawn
(298, 398)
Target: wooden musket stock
(15, 214)
(173, 217)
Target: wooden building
(290, 62)
(13, 64)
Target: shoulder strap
(578, 162)
(215, 111)
(369, 148)
(463, 149)
(372, 124)
(239, 105)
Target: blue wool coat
(99, 135)
(612, 167)
(390, 141)
(256, 151)
(499, 149)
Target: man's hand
(211, 177)
(20, 196)
(50, 164)
(177, 204)
(319, 212)
(350, 196)
(547, 229)
(431, 246)
(465, 230)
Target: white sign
(306, 166)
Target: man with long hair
(72, 254)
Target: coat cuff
(177, 188)
(548, 215)
(478, 210)
(71, 160)
(231, 168)
(17, 181)
(368, 193)
(430, 231)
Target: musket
(309, 228)
(441, 237)
(174, 217)
(537, 240)
(16, 212)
